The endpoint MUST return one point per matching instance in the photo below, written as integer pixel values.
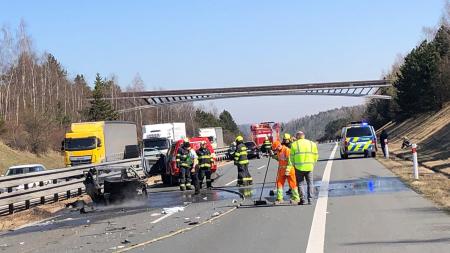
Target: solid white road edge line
(161, 218)
(316, 240)
(227, 184)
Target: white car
(23, 169)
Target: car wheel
(345, 156)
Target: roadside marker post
(415, 163)
(386, 149)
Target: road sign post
(415, 163)
(386, 149)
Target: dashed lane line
(316, 240)
(227, 184)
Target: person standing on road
(267, 146)
(383, 137)
(205, 162)
(185, 162)
(241, 161)
(303, 156)
(285, 171)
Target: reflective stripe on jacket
(183, 158)
(240, 156)
(267, 144)
(303, 155)
(204, 158)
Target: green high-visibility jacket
(304, 155)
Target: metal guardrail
(53, 185)
(68, 181)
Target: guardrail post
(80, 191)
(9, 189)
(41, 183)
(68, 194)
(55, 181)
(25, 186)
(386, 149)
(55, 197)
(11, 208)
(27, 204)
(42, 200)
(415, 163)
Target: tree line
(39, 100)
(421, 81)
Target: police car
(358, 138)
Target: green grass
(10, 157)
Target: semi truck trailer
(102, 141)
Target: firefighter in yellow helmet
(303, 156)
(267, 146)
(286, 140)
(241, 161)
(205, 163)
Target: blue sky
(195, 44)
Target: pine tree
(100, 109)
(227, 122)
(416, 78)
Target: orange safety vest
(283, 157)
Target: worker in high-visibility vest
(205, 162)
(241, 161)
(285, 172)
(186, 161)
(304, 155)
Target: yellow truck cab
(97, 142)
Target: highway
(359, 206)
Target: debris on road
(215, 214)
(21, 243)
(155, 214)
(193, 223)
(171, 210)
(126, 241)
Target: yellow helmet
(239, 138)
(286, 136)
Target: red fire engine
(265, 129)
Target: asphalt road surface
(359, 206)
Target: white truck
(214, 134)
(158, 138)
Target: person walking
(205, 162)
(285, 171)
(383, 139)
(303, 156)
(241, 162)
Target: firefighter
(241, 161)
(267, 146)
(285, 171)
(303, 156)
(286, 140)
(205, 162)
(186, 163)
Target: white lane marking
(316, 240)
(161, 218)
(227, 184)
(261, 167)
